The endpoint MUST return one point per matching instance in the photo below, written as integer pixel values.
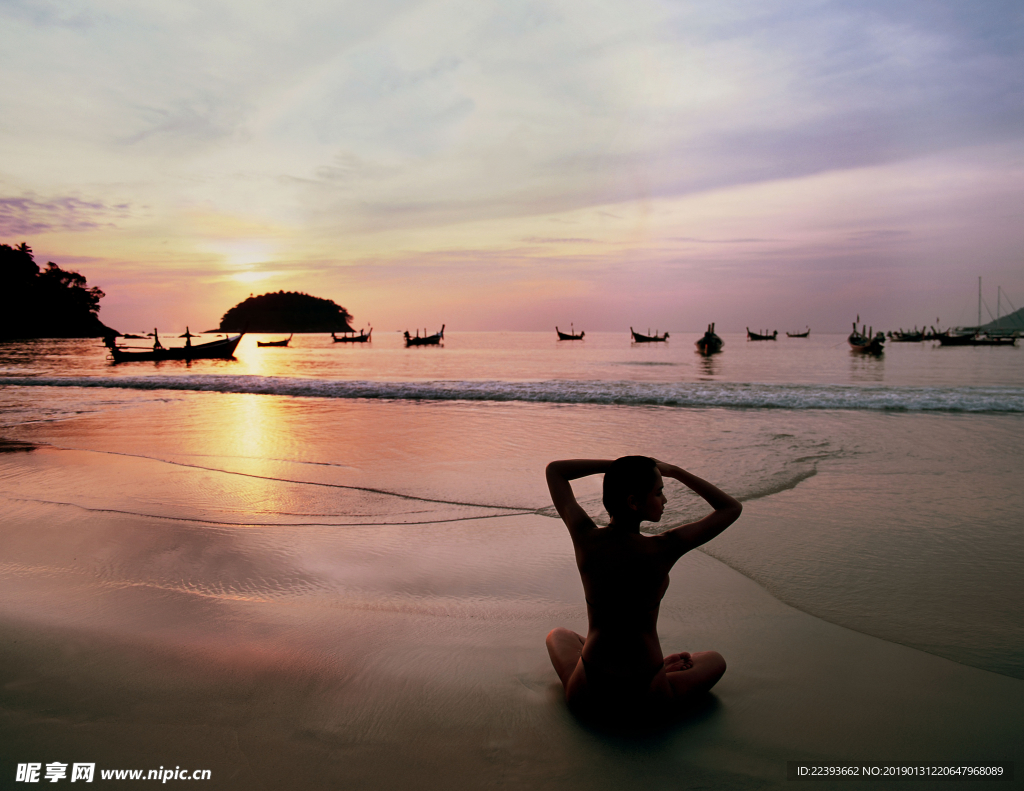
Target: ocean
(882, 494)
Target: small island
(47, 303)
(286, 311)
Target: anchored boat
(285, 342)
(426, 340)
(866, 341)
(362, 337)
(570, 335)
(222, 349)
(710, 343)
(655, 338)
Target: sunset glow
(496, 167)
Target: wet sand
(296, 593)
(427, 668)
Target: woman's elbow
(732, 511)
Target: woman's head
(629, 483)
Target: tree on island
(48, 303)
(286, 311)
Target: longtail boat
(865, 342)
(961, 338)
(362, 337)
(285, 342)
(222, 349)
(758, 336)
(426, 340)
(996, 340)
(975, 339)
(570, 335)
(906, 337)
(655, 338)
(709, 343)
(804, 334)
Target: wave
(667, 394)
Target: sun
(251, 276)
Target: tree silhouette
(286, 311)
(52, 303)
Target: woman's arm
(727, 510)
(558, 474)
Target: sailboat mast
(979, 302)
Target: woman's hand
(727, 510)
(668, 470)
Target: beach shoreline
(396, 687)
(346, 593)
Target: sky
(512, 166)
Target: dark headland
(286, 311)
(46, 303)
(1011, 321)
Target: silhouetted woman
(618, 669)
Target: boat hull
(215, 350)
(975, 340)
(360, 338)
(707, 348)
(709, 343)
(428, 340)
(862, 345)
(641, 338)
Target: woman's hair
(630, 475)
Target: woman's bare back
(619, 666)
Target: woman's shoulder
(618, 546)
(644, 553)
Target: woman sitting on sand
(619, 668)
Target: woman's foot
(677, 662)
(702, 673)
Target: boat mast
(979, 302)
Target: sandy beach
(300, 301)
(299, 590)
(428, 670)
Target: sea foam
(667, 394)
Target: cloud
(335, 130)
(696, 240)
(203, 119)
(558, 240)
(447, 124)
(26, 216)
(52, 14)
(425, 112)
